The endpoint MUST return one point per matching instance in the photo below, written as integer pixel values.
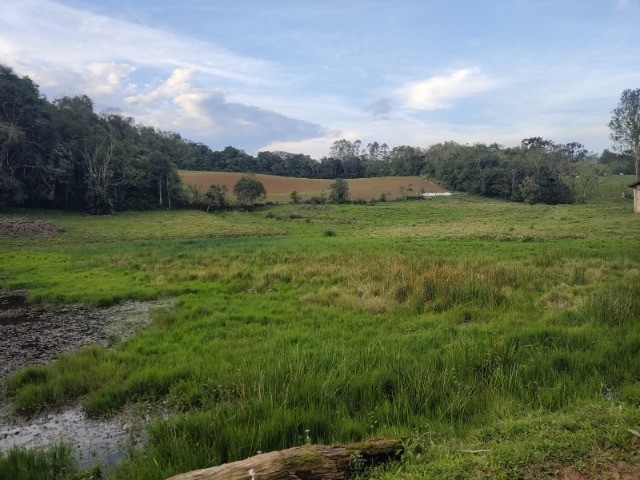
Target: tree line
(62, 154)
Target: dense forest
(62, 154)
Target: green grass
(453, 321)
(54, 463)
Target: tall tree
(405, 160)
(342, 149)
(625, 125)
(23, 140)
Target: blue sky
(298, 75)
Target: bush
(339, 191)
(249, 190)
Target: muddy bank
(33, 334)
(94, 441)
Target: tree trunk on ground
(309, 462)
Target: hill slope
(279, 188)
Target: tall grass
(55, 463)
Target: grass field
(280, 188)
(502, 339)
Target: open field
(502, 339)
(279, 188)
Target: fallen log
(308, 462)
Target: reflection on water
(95, 441)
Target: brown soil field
(279, 188)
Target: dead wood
(308, 462)
(14, 227)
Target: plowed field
(279, 188)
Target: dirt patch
(15, 227)
(33, 334)
(618, 472)
(569, 473)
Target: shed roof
(634, 184)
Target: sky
(297, 75)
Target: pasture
(501, 339)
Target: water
(94, 441)
(35, 334)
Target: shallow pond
(95, 441)
(34, 334)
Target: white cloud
(174, 103)
(106, 78)
(42, 36)
(438, 92)
(160, 79)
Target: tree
(63, 154)
(216, 197)
(529, 190)
(590, 176)
(92, 140)
(617, 163)
(24, 136)
(343, 149)
(625, 125)
(339, 191)
(349, 155)
(405, 160)
(249, 190)
(329, 167)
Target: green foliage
(249, 190)
(625, 125)
(61, 154)
(617, 163)
(529, 190)
(216, 197)
(24, 135)
(339, 191)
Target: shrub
(249, 190)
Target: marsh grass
(456, 314)
(536, 444)
(55, 463)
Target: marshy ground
(501, 339)
(38, 335)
